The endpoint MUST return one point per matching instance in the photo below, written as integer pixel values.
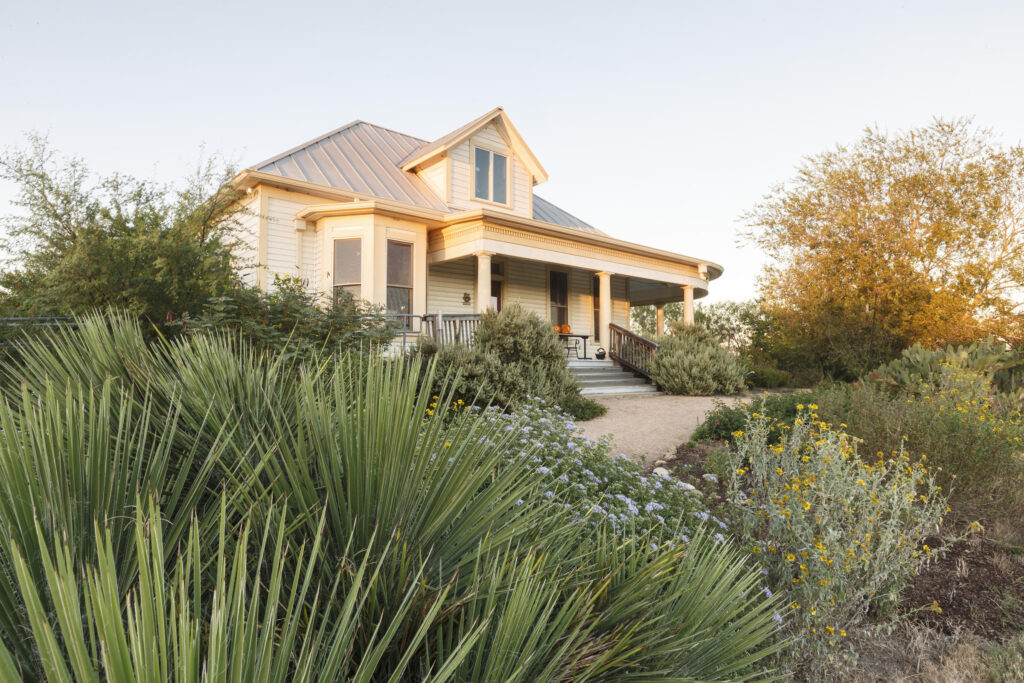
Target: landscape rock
(662, 472)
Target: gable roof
(504, 123)
(364, 158)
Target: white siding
(433, 176)
(311, 263)
(581, 302)
(526, 283)
(247, 252)
(282, 242)
(462, 175)
(447, 283)
(620, 302)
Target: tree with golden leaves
(899, 238)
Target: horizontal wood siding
(581, 302)
(433, 176)
(620, 301)
(526, 283)
(446, 284)
(247, 251)
(282, 244)
(462, 175)
(311, 264)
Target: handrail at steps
(631, 350)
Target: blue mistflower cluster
(577, 473)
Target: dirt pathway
(650, 426)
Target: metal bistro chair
(572, 341)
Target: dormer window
(490, 176)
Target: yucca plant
(174, 626)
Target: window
(348, 267)
(497, 282)
(559, 295)
(490, 176)
(597, 307)
(496, 295)
(399, 278)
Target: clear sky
(659, 123)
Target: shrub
(841, 535)
(973, 443)
(291, 320)
(918, 365)
(515, 358)
(690, 361)
(768, 377)
(721, 423)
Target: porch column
(659, 327)
(483, 281)
(604, 307)
(688, 304)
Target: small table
(572, 343)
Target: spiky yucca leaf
(172, 627)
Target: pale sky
(659, 123)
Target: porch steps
(605, 377)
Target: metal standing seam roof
(364, 158)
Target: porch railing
(452, 328)
(631, 350)
(444, 328)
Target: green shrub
(403, 539)
(721, 423)
(973, 442)
(291, 320)
(515, 358)
(768, 377)
(840, 534)
(690, 361)
(918, 365)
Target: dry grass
(913, 652)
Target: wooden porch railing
(631, 350)
(452, 328)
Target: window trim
(412, 274)
(509, 169)
(334, 273)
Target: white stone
(688, 487)
(660, 463)
(662, 472)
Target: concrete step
(611, 381)
(579, 363)
(626, 389)
(606, 372)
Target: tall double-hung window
(490, 176)
(399, 278)
(348, 267)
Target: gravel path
(650, 426)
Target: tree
(81, 242)
(915, 237)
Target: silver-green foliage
(690, 361)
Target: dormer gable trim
(432, 150)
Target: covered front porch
(585, 304)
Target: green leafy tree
(79, 242)
(899, 238)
